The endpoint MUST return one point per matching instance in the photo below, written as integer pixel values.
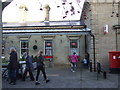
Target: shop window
(23, 46)
(74, 46)
(48, 48)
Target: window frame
(48, 48)
(27, 49)
(77, 49)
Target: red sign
(48, 56)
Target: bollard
(104, 74)
(98, 67)
(90, 66)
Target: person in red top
(74, 59)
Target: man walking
(40, 67)
(29, 67)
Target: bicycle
(5, 74)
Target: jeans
(30, 73)
(73, 66)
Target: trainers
(37, 83)
(13, 83)
(10, 82)
(73, 71)
(47, 81)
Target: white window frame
(25, 48)
(45, 47)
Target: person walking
(87, 58)
(12, 66)
(73, 61)
(40, 67)
(29, 67)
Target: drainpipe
(94, 58)
(116, 41)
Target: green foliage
(22, 59)
(34, 58)
(5, 61)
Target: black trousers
(41, 68)
(73, 66)
(12, 75)
(30, 73)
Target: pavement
(62, 77)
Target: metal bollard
(104, 74)
(98, 67)
(90, 66)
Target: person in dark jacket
(29, 67)
(40, 67)
(12, 66)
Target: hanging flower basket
(35, 47)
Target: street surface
(62, 77)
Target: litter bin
(114, 61)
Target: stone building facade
(100, 14)
(57, 41)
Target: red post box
(114, 61)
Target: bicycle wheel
(5, 73)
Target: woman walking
(73, 61)
(12, 66)
(40, 67)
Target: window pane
(73, 44)
(24, 50)
(48, 44)
(24, 43)
(24, 46)
(48, 48)
(48, 52)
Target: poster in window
(74, 50)
(48, 52)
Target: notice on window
(119, 57)
(114, 57)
